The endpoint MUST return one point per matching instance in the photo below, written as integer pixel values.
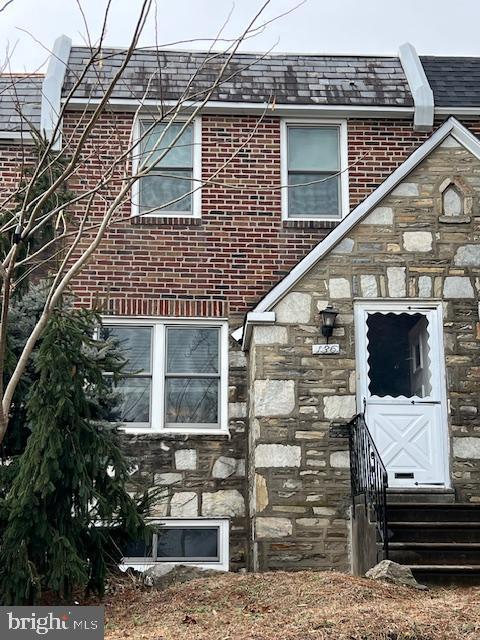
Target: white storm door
(401, 373)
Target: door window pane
(398, 355)
(192, 400)
(192, 350)
(178, 543)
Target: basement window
(201, 543)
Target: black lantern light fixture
(329, 315)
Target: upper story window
(172, 186)
(176, 374)
(314, 172)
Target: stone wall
(417, 244)
(200, 476)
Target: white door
(401, 390)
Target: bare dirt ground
(290, 606)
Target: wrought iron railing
(368, 477)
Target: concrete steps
(439, 541)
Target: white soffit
(419, 86)
(52, 88)
(450, 127)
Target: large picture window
(313, 171)
(176, 374)
(171, 188)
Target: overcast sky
(338, 26)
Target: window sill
(151, 220)
(171, 433)
(310, 224)
(124, 566)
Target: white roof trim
(52, 88)
(279, 109)
(419, 86)
(458, 111)
(450, 127)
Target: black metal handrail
(368, 476)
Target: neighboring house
(232, 407)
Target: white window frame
(157, 396)
(196, 212)
(343, 151)
(223, 562)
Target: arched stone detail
(454, 202)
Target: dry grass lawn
(291, 606)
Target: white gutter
(218, 106)
(458, 111)
(419, 87)
(52, 89)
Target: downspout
(419, 87)
(52, 89)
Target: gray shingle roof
(290, 78)
(455, 82)
(20, 101)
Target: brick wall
(240, 248)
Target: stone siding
(415, 245)
(200, 475)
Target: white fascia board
(52, 88)
(450, 127)
(457, 111)
(419, 87)
(241, 108)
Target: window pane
(191, 400)
(398, 355)
(181, 155)
(187, 543)
(319, 199)
(313, 148)
(137, 548)
(192, 350)
(135, 399)
(160, 191)
(135, 343)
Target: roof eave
(252, 108)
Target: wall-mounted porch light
(329, 315)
